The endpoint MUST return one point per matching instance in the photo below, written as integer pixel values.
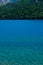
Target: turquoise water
(21, 42)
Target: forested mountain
(23, 9)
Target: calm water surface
(21, 42)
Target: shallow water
(21, 42)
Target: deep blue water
(21, 42)
(21, 31)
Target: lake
(21, 42)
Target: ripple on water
(20, 56)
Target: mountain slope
(22, 10)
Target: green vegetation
(22, 10)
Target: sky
(21, 30)
(13, 0)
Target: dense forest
(24, 9)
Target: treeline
(22, 10)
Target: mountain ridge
(8, 1)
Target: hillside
(22, 10)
